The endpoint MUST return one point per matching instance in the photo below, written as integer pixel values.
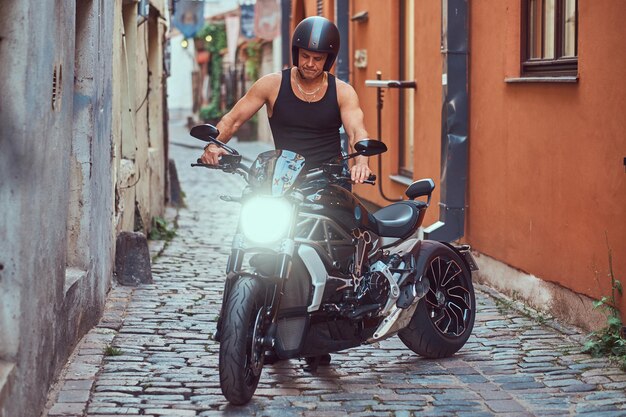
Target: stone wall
(60, 158)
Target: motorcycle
(312, 271)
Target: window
(549, 37)
(407, 96)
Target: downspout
(342, 16)
(285, 22)
(343, 21)
(454, 123)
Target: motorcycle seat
(399, 219)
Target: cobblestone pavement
(166, 364)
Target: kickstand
(311, 364)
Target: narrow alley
(152, 353)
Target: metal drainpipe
(285, 21)
(343, 58)
(343, 24)
(454, 124)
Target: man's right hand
(212, 154)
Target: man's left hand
(359, 172)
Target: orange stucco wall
(380, 36)
(547, 184)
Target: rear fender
(464, 251)
(411, 284)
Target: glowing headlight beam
(265, 219)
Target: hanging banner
(267, 19)
(232, 37)
(247, 20)
(189, 17)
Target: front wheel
(241, 352)
(444, 318)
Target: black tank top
(310, 129)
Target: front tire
(241, 356)
(444, 318)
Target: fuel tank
(339, 204)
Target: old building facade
(515, 116)
(82, 158)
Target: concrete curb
(573, 332)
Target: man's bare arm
(248, 105)
(352, 119)
(259, 94)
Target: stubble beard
(303, 77)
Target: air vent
(57, 82)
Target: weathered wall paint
(138, 73)
(60, 159)
(46, 152)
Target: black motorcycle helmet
(316, 34)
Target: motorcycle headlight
(265, 219)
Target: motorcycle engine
(373, 289)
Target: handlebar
(371, 180)
(320, 172)
(232, 164)
(227, 163)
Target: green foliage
(210, 113)
(217, 33)
(609, 341)
(112, 351)
(253, 60)
(160, 230)
(505, 306)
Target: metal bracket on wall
(379, 84)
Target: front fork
(283, 268)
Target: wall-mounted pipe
(342, 66)
(454, 123)
(343, 21)
(285, 22)
(379, 84)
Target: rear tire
(444, 318)
(240, 357)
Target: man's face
(311, 64)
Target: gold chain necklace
(312, 93)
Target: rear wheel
(241, 350)
(444, 318)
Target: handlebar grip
(371, 180)
(229, 159)
(202, 164)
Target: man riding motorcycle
(306, 104)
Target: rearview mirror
(208, 133)
(204, 132)
(369, 147)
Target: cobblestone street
(161, 361)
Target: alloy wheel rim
(448, 300)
